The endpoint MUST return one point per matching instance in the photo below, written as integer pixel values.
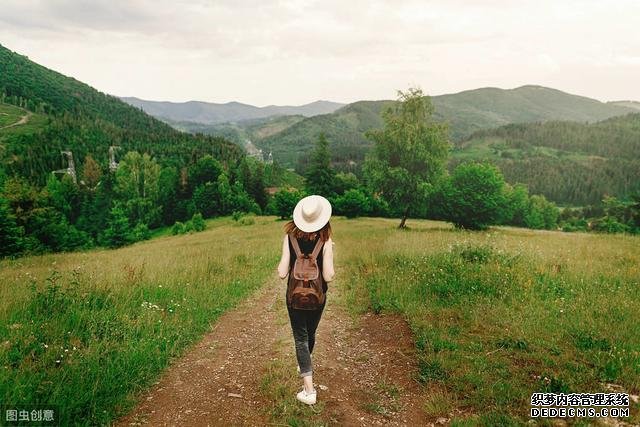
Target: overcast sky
(292, 52)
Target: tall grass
(496, 315)
(87, 331)
(499, 315)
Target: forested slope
(568, 162)
(77, 117)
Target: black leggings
(304, 324)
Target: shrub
(247, 220)
(236, 215)
(178, 228)
(140, 232)
(195, 224)
(284, 202)
(353, 203)
(609, 224)
(542, 214)
(198, 222)
(474, 196)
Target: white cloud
(276, 52)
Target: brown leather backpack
(304, 289)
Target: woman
(310, 224)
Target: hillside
(239, 132)
(466, 112)
(628, 104)
(212, 113)
(73, 116)
(568, 162)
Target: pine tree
(118, 232)
(320, 177)
(225, 195)
(10, 233)
(257, 190)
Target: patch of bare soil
(369, 367)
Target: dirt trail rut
(23, 120)
(363, 370)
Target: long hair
(324, 233)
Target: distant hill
(466, 112)
(628, 104)
(485, 108)
(239, 132)
(569, 162)
(212, 113)
(70, 115)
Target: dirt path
(23, 120)
(244, 372)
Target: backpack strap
(316, 249)
(296, 246)
(298, 251)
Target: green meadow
(496, 315)
(88, 330)
(9, 114)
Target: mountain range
(570, 148)
(289, 138)
(212, 113)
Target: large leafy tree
(409, 153)
(257, 187)
(284, 201)
(251, 175)
(206, 199)
(320, 177)
(206, 169)
(168, 194)
(517, 198)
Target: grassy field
(495, 148)
(496, 315)
(86, 331)
(9, 114)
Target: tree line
(112, 209)
(169, 179)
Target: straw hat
(312, 213)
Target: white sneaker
(308, 398)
